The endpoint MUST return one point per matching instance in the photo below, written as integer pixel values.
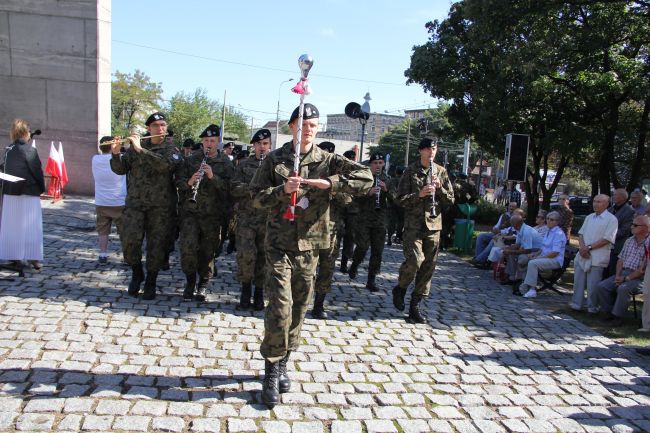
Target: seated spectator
(630, 269)
(500, 241)
(566, 215)
(596, 238)
(550, 257)
(483, 240)
(528, 241)
(645, 322)
(636, 199)
(540, 223)
(624, 214)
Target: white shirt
(110, 188)
(596, 227)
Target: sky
(247, 48)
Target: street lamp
(277, 115)
(356, 111)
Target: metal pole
(223, 121)
(408, 143)
(480, 173)
(466, 157)
(277, 116)
(363, 131)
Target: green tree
(190, 113)
(133, 97)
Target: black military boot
(344, 264)
(150, 286)
(390, 240)
(245, 297)
(414, 312)
(201, 289)
(284, 382)
(188, 293)
(137, 275)
(165, 266)
(352, 272)
(370, 285)
(271, 385)
(319, 309)
(398, 297)
(258, 299)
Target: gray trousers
(535, 266)
(516, 266)
(646, 298)
(586, 280)
(613, 299)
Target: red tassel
(289, 215)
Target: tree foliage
(133, 97)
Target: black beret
(229, 144)
(261, 135)
(349, 154)
(399, 170)
(376, 157)
(154, 117)
(188, 142)
(243, 154)
(105, 138)
(427, 142)
(211, 131)
(198, 145)
(327, 146)
(309, 112)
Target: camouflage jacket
(393, 184)
(367, 205)
(416, 209)
(149, 174)
(339, 202)
(213, 193)
(242, 193)
(310, 230)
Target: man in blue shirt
(528, 241)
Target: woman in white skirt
(21, 227)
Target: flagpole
(223, 121)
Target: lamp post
(356, 111)
(277, 115)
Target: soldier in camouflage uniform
(395, 211)
(421, 230)
(370, 226)
(150, 166)
(327, 256)
(349, 216)
(201, 214)
(250, 224)
(292, 247)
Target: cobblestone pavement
(78, 354)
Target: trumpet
(433, 191)
(195, 187)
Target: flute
(433, 191)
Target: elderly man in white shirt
(551, 256)
(597, 237)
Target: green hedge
(487, 213)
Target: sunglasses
(637, 225)
(551, 219)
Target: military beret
(188, 142)
(243, 154)
(261, 135)
(327, 146)
(229, 144)
(427, 142)
(376, 157)
(105, 138)
(349, 154)
(154, 117)
(399, 170)
(197, 145)
(211, 131)
(309, 112)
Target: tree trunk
(635, 176)
(594, 181)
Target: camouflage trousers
(348, 235)
(420, 256)
(150, 223)
(199, 240)
(289, 283)
(395, 221)
(250, 253)
(371, 236)
(327, 262)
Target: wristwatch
(590, 247)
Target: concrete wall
(55, 73)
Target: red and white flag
(63, 170)
(53, 166)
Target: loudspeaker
(516, 160)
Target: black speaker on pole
(516, 160)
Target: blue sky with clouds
(249, 47)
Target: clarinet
(195, 187)
(378, 195)
(433, 192)
(262, 157)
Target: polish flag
(63, 170)
(53, 166)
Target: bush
(487, 212)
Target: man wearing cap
(349, 216)
(327, 256)
(292, 246)
(199, 215)
(150, 165)
(421, 229)
(370, 227)
(187, 147)
(251, 222)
